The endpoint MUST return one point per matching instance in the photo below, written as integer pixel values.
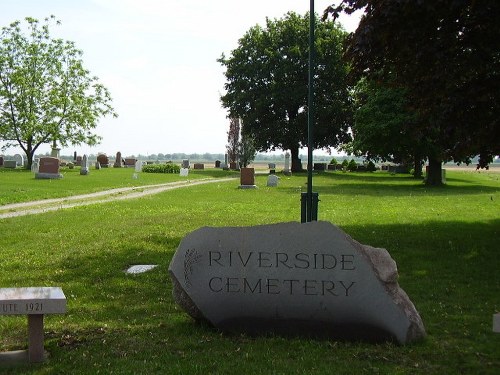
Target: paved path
(36, 207)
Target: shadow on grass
(380, 185)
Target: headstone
(84, 170)
(272, 180)
(138, 166)
(496, 323)
(198, 166)
(184, 172)
(217, 164)
(118, 160)
(272, 165)
(48, 168)
(19, 160)
(75, 156)
(103, 160)
(70, 165)
(309, 279)
(319, 166)
(331, 167)
(97, 165)
(185, 163)
(247, 178)
(35, 165)
(10, 164)
(1, 161)
(78, 161)
(129, 162)
(286, 170)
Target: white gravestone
(84, 169)
(138, 166)
(287, 164)
(272, 180)
(184, 172)
(19, 160)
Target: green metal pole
(310, 117)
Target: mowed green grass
(444, 240)
(20, 185)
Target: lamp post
(309, 200)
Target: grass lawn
(444, 240)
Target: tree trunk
(296, 162)
(417, 167)
(434, 177)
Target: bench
(34, 302)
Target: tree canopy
(46, 94)
(267, 84)
(446, 55)
(383, 125)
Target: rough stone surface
(294, 279)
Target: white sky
(158, 59)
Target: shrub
(370, 167)
(334, 161)
(161, 168)
(352, 166)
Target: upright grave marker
(48, 168)
(292, 278)
(247, 178)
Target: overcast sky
(158, 59)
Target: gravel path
(46, 205)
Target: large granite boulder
(295, 279)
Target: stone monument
(19, 160)
(84, 170)
(272, 180)
(48, 168)
(103, 160)
(118, 160)
(286, 170)
(308, 279)
(247, 178)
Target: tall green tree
(46, 94)
(267, 85)
(446, 54)
(384, 124)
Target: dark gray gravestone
(292, 278)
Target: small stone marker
(141, 268)
(247, 178)
(48, 168)
(496, 322)
(272, 180)
(34, 302)
(217, 164)
(185, 163)
(292, 278)
(199, 166)
(184, 172)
